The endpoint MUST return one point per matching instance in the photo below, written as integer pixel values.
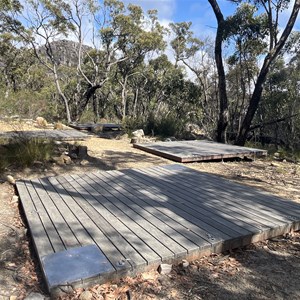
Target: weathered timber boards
(62, 135)
(91, 126)
(189, 151)
(142, 217)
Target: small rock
(273, 164)
(10, 179)
(21, 233)
(82, 151)
(15, 199)
(84, 162)
(59, 160)
(164, 269)
(41, 122)
(114, 287)
(97, 128)
(73, 155)
(78, 151)
(134, 140)
(163, 280)
(86, 295)
(34, 296)
(277, 154)
(185, 263)
(60, 126)
(67, 159)
(138, 133)
(13, 297)
(171, 139)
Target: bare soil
(265, 270)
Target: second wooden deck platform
(192, 151)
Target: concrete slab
(73, 265)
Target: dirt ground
(265, 270)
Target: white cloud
(165, 8)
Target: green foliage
(185, 45)
(29, 104)
(164, 125)
(130, 124)
(169, 125)
(23, 152)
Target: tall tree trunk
(124, 97)
(222, 94)
(62, 95)
(258, 89)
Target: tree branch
(261, 125)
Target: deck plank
(264, 221)
(50, 228)
(55, 215)
(38, 232)
(70, 218)
(256, 210)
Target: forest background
(87, 61)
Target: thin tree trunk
(222, 93)
(62, 95)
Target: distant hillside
(65, 52)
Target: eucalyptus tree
(267, 29)
(138, 37)
(47, 21)
(8, 15)
(8, 40)
(121, 39)
(247, 32)
(278, 115)
(196, 55)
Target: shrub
(24, 152)
(131, 124)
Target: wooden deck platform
(192, 151)
(122, 222)
(91, 126)
(59, 135)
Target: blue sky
(199, 12)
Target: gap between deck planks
(139, 218)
